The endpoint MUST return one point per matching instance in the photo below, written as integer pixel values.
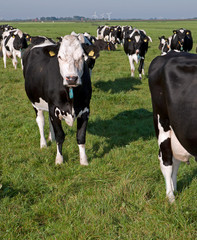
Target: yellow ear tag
(51, 53)
(91, 53)
(187, 33)
(13, 36)
(129, 40)
(145, 40)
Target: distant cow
(14, 41)
(136, 46)
(182, 40)
(164, 45)
(173, 87)
(57, 80)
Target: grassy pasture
(121, 194)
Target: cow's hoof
(58, 160)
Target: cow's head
(20, 41)
(179, 37)
(71, 61)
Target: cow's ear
(51, 51)
(174, 31)
(188, 32)
(91, 51)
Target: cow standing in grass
(57, 80)
(13, 43)
(135, 46)
(173, 87)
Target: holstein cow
(57, 80)
(136, 46)
(182, 40)
(164, 45)
(173, 86)
(13, 43)
(102, 45)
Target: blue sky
(144, 9)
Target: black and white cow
(182, 40)
(57, 80)
(13, 43)
(103, 45)
(115, 35)
(164, 45)
(173, 87)
(136, 46)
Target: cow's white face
(71, 61)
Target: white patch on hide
(178, 150)
(83, 111)
(42, 105)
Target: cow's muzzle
(72, 80)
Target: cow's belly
(179, 152)
(41, 105)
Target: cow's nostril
(72, 78)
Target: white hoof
(59, 160)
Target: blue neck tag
(71, 93)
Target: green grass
(121, 194)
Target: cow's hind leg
(40, 122)
(165, 155)
(175, 168)
(81, 137)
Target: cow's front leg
(165, 155)
(81, 138)
(132, 66)
(40, 122)
(141, 67)
(59, 135)
(14, 60)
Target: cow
(57, 80)
(103, 45)
(99, 31)
(116, 35)
(164, 45)
(136, 46)
(3, 28)
(13, 43)
(173, 86)
(182, 40)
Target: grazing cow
(57, 80)
(164, 45)
(173, 87)
(13, 43)
(182, 40)
(136, 46)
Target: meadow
(121, 194)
